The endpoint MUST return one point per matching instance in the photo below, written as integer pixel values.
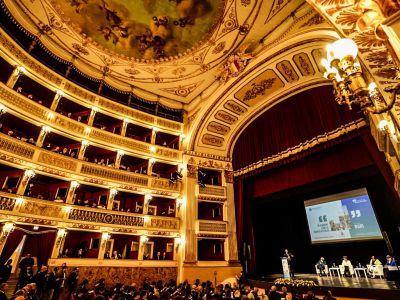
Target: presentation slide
(342, 217)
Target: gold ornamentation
(225, 117)
(7, 203)
(235, 64)
(212, 227)
(57, 160)
(316, 19)
(287, 71)
(228, 176)
(107, 218)
(41, 209)
(191, 171)
(182, 90)
(235, 107)
(213, 140)
(213, 190)
(218, 128)
(303, 63)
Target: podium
(285, 267)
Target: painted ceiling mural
(148, 29)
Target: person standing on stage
(290, 259)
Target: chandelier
(350, 87)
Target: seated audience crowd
(65, 283)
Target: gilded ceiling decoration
(149, 29)
(163, 51)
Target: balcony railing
(213, 190)
(217, 227)
(20, 104)
(21, 153)
(60, 212)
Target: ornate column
(56, 99)
(92, 115)
(82, 149)
(28, 175)
(71, 192)
(111, 195)
(105, 237)
(42, 135)
(230, 218)
(189, 215)
(120, 154)
(58, 243)
(18, 71)
(124, 126)
(4, 234)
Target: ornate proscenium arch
(274, 76)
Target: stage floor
(369, 288)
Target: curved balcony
(49, 213)
(31, 110)
(213, 190)
(23, 154)
(56, 81)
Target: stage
(368, 288)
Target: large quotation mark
(355, 213)
(323, 218)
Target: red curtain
(290, 123)
(40, 246)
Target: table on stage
(358, 270)
(332, 270)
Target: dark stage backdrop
(279, 221)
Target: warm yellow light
(3, 109)
(46, 129)
(126, 120)
(152, 149)
(120, 152)
(88, 130)
(383, 124)
(19, 200)
(105, 236)
(372, 86)
(156, 129)
(61, 232)
(85, 143)
(147, 198)
(180, 202)
(144, 239)
(113, 192)
(179, 241)
(8, 227)
(29, 173)
(21, 70)
(95, 108)
(60, 93)
(75, 184)
(50, 115)
(67, 209)
(344, 47)
(152, 161)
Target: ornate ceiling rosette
(170, 51)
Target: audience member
(5, 271)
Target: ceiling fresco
(144, 29)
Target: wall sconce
(178, 242)
(113, 192)
(181, 168)
(50, 115)
(383, 125)
(59, 93)
(146, 219)
(182, 136)
(144, 239)
(179, 202)
(19, 201)
(61, 234)
(95, 108)
(75, 184)
(88, 130)
(350, 88)
(3, 109)
(105, 236)
(120, 153)
(21, 70)
(126, 120)
(85, 143)
(156, 129)
(67, 209)
(147, 199)
(29, 174)
(6, 230)
(152, 161)
(45, 130)
(152, 149)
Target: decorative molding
(303, 146)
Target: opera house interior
(170, 141)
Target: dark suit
(290, 259)
(5, 272)
(3, 296)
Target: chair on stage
(325, 270)
(375, 270)
(351, 269)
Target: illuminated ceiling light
(350, 88)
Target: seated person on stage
(346, 268)
(390, 263)
(321, 266)
(372, 266)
